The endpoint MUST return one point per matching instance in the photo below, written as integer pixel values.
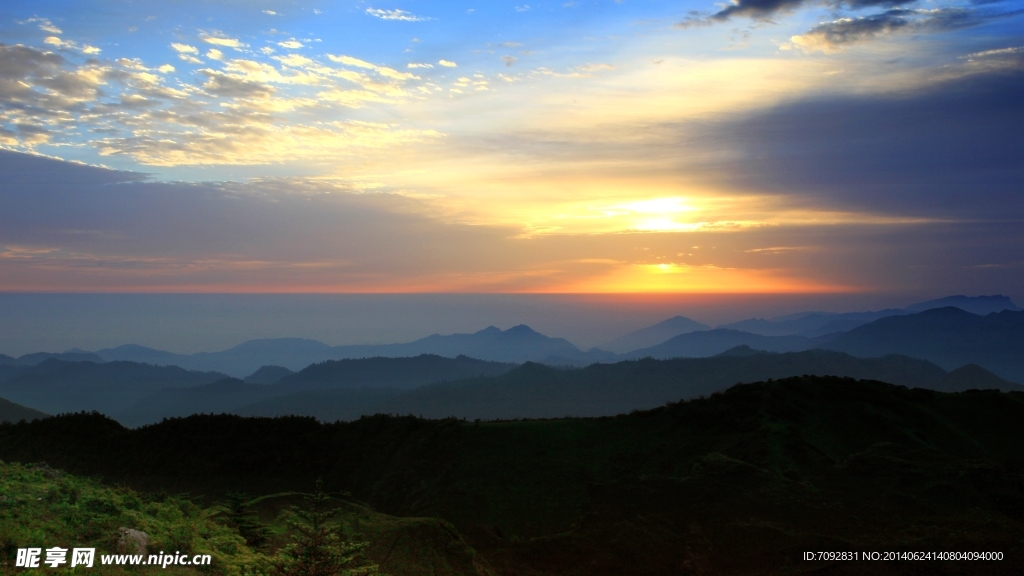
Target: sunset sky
(590, 146)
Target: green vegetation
(43, 507)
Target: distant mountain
(536, 391)
(974, 377)
(5, 359)
(141, 354)
(809, 324)
(812, 324)
(712, 342)
(233, 395)
(380, 372)
(11, 412)
(653, 335)
(40, 357)
(981, 305)
(517, 344)
(239, 361)
(268, 375)
(949, 337)
(56, 386)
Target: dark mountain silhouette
(980, 305)
(949, 337)
(653, 335)
(741, 482)
(5, 359)
(234, 396)
(973, 377)
(711, 342)
(268, 375)
(326, 405)
(517, 344)
(538, 391)
(56, 386)
(11, 412)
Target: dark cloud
(835, 35)
(765, 9)
(225, 85)
(952, 150)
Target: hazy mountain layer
(711, 342)
(517, 344)
(286, 396)
(653, 335)
(537, 391)
(949, 337)
(813, 324)
(55, 386)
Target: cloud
(395, 15)
(947, 150)
(44, 24)
(184, 48)
(765, 9)
(214, 54)
(292, 44)
(350, 61)
(447, 63)
(166, 69)
(836, 35)
(219, 40)
(222, 84)
(190, 59)
(523, 8)
(509, 60)
(418, 65)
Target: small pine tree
(316, 549)
(248, 524)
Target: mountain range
(439, 387)
(517, 344)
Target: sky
(785, 147)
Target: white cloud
(218, 40)
(190, 58)
(166, 68)
(87, 49)
(292, 44)
(45, 25)
(270, 12)
(214, 54)
(523, 8)
(350, 61)
(418, 65)
(395, 15)
(184, 48)
(447, 63)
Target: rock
(130, 541)
(45, 469)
